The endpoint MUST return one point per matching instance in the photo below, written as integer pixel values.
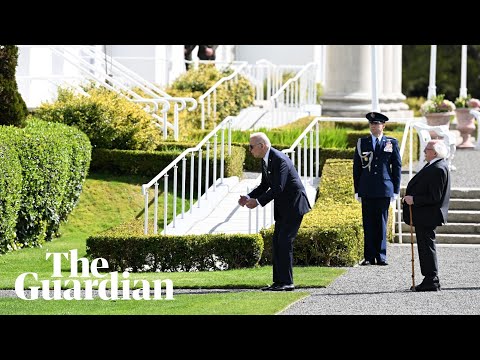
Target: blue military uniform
(376, 177)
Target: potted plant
(465, 120)
(438, 110)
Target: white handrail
(93, 70)
(213, 89)
(224, 125)
(310, 146)
(294, 95)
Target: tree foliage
(13, 109)
(416, 70)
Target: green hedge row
(331, 234)
(109, 120)
(151, 163)
(175, 253)
(10, 188)
(50, 162)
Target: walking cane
(411, 243)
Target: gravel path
(384, 290)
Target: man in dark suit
(280, 182)
(428, 192)
(377, 169)
(205, 52)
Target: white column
(347, 81)
(396, 94)
(177, 63)
(319, 56)
(463, 77)
(388, 72)
(374, 71)
(432, 89)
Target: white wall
(138, 58)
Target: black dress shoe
(428, 287)
(283, 287)
(382, 263)
(366, 262)
(269, 287)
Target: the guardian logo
(88, 279)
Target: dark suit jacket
(430, 189)
(283, 185)
(383, 177)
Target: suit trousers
(427, 252)
(375, 217)
(282, 249)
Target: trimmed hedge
(10, 188)
(69, 181)
(124, 249)
(109, 120)
(49, 162)
(151, 163)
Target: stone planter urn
(466, 126)
(436, 119)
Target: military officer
(377, 168)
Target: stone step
(464, 204)
(451, 228)
(460, 216)
(444, 238)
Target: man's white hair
(440, 148)
(262, 136)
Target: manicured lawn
(107, 201)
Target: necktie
(377, 145)
(264, 168)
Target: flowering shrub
(437, 104)
(467, 102)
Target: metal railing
(268, 78)
(290, 100)
(202, 178)
(106, 72)
(265, 220)
(208, 101)
(305, 156)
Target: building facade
(344, 71)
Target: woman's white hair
(261, 136)
(440, 148)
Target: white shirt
(433, 160)
(265, 158)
